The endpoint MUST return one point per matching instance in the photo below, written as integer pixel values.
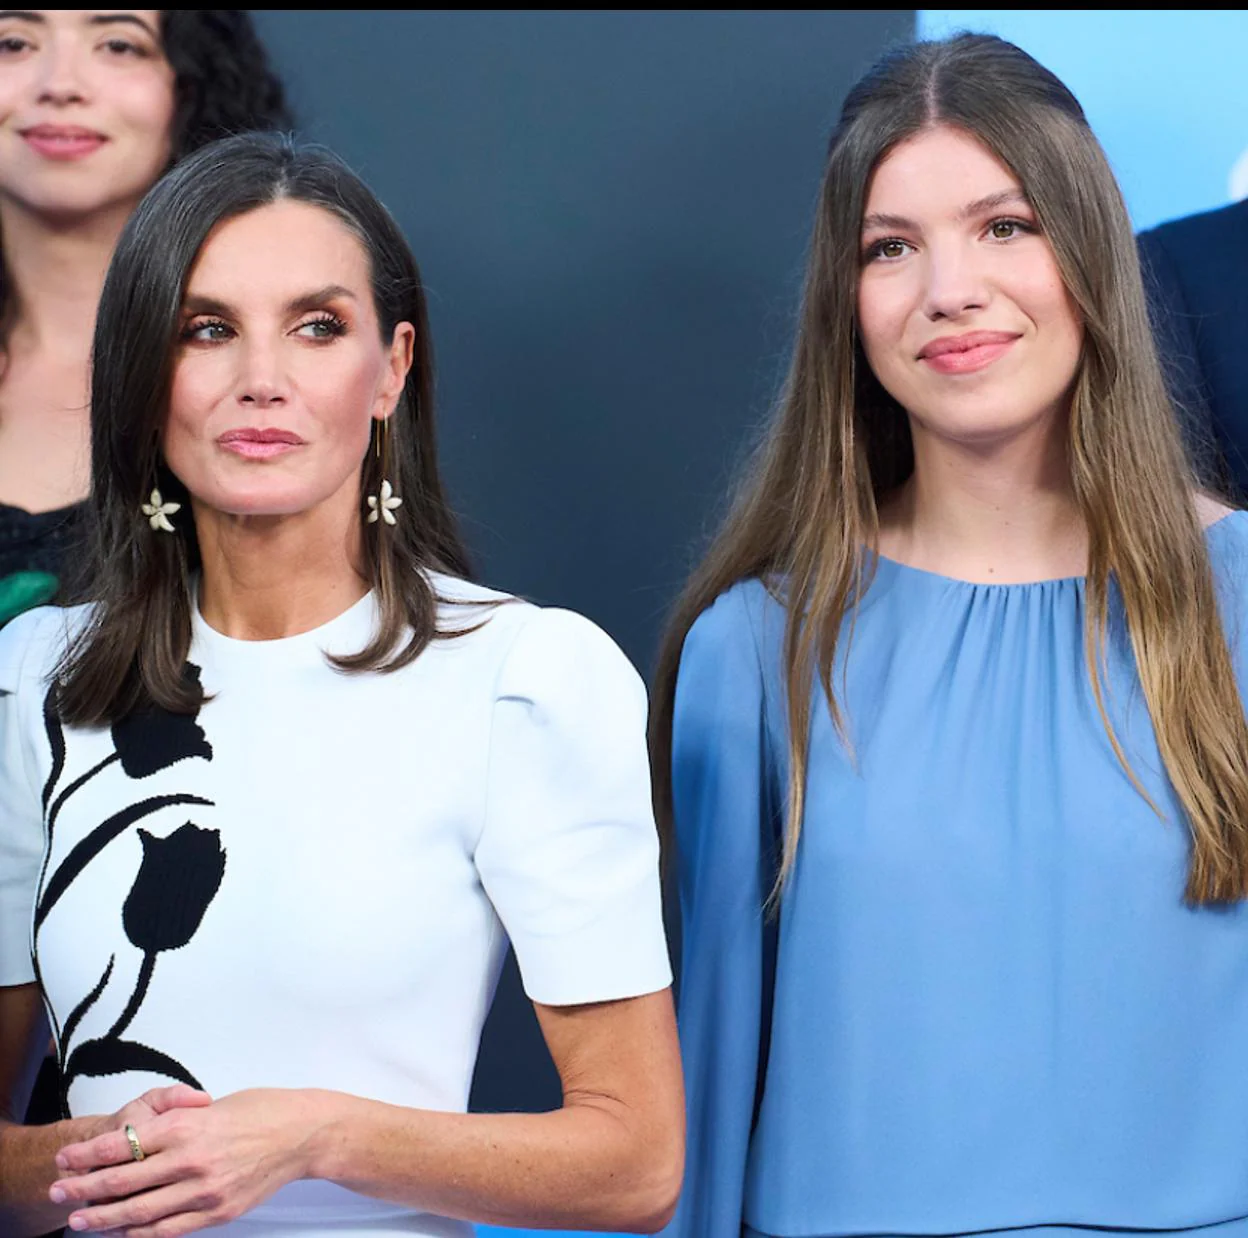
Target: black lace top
(34, 550)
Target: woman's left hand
(201, 1167)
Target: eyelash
(125, 47)
(333, 324)
(873, 251)
(14, 44)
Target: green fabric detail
(22, 590)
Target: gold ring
(136, 1148)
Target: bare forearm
(584, 1166)
(28, 1169)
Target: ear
(398, 363)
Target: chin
(73, 191)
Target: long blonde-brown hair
(808, 510)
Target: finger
(174, 1226)
(179, 1096)
(115, 1182)
(112, 1148)
(139, 1211)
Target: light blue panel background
(1165, 90)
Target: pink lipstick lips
(259, 444)
(964, 354)
(63, 142)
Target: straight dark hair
(132, 650)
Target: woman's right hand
(28, 1153)
(153, 1102)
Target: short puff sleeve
(568, 854)
(23, 646)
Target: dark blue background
(610, 210)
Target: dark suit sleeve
(1174, 331)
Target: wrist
(322, 1123)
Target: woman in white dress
(273, 799)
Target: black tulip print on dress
(177, 880)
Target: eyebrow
(131, 19)
(297, 305)
(99, 19)
(994, 201)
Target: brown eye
(1004, 229)
(892, 249)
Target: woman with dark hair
(94, 106)
(948, 721)
(273, 799)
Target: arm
(27, 1164)
(724, 806)
(568, 857)
(609, 1158)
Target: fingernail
(77, 1222)
(61, 1162)
(56, 1195)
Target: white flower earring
(158, 512)
(382, 506)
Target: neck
(999, 514)
(265, 578)
(55, 272)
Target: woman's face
(86, 109)
(281, 368)
(962, 312)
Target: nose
(954, 282)
(61, 80)
(261, 382)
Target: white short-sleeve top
(311, 883)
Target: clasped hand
(206, 1162)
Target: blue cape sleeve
(724, 799)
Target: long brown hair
(808, 510)
(134, 645)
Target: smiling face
(962, 311)
(86, 109)
(281, 368)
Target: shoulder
(531, 645)
(1226, 535)
(743, 622)
(1198, 243)
(1227, 222)
(33, 644)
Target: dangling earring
(158, 512)
(383, 505)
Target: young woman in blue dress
(948, 722)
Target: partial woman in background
(956, 692)
(94, 106)
(1196, 273)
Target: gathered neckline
(1050, 582)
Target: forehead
(936, 170)
(276, 248)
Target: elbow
(651, 1203)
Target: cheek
(193, 394)
(884, 307)
(1049, 305)
(15, 87)
(146, 107)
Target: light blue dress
(989, 1007)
